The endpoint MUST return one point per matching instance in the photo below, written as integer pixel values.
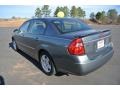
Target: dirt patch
(11, 23)
(18, 22)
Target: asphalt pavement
(17, 68)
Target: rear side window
(58, 24)
(24, 27)
(37, 27)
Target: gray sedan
(64, 45)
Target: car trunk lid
(97, 43)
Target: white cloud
(60, 2)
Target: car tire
(46, 63)
(14, 44)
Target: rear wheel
(46, 63)
(14, 45)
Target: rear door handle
(36, 38)
(22, 35)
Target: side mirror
(15, 30)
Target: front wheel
(47, 64)
(14, 45)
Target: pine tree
(38, 12)
(73, 11)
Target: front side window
(70, 25)
(24, 27)
(37, 27)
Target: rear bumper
(84, 66)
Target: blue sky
(7, 11)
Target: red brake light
(76, 47)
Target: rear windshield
(70, 25)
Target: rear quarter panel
(57, 48)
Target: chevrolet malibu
(65, 45)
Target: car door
(34, 35)
(21, 36)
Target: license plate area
(100, 44)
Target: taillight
(76, 47)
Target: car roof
(52, 18)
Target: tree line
(45, 11)
(111, 16)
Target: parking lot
(18, 68)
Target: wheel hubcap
(45, 62)
(14, 45)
